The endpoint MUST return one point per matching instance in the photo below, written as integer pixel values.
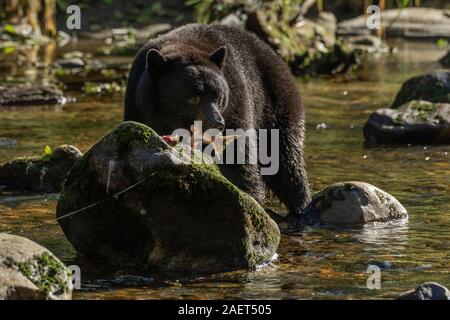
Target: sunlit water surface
(317, 263)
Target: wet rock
(405, 22)
(445, 61)
(415, 122)
(93, 71)
(134, 200)
(7, 143)
(352, 203)
(433, 87)
(112, 34)
(427, 291)
(28, 96)
(381, 264)
(367, 43)
(28, 271)
(70, 63)
(39, 174)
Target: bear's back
(248, 55)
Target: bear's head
(188, 87)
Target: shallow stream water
(317, 263)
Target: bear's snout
(213, 118)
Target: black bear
(227, 78)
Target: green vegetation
(44, 271)
(207, 11)
(46, 153)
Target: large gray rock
(433, 87)
(39, 174)
(406, 22)
(414, 122)
(352, 203)
(31, 272)
(427, 291)
(134, 200)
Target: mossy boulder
(433, 87)
(415, 122)
(133, 200)
(31, 272)
(352, 203)
(39, 174)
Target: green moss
(423, 106)
(44, 271)
(424, 109)
(398, 120)
(129, 131)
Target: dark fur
(262, 94)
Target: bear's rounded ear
(155, 61)
(218, 57)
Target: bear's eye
(194, 100)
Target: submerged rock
(134, 200)
(6, 142)
(414, 122)
(352, 203)
(29, 271)
(427, 291)
(433, 87)
(28, 96)
(405, 22)
(39, 174)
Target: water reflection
(392, 235)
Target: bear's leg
(290, 183)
